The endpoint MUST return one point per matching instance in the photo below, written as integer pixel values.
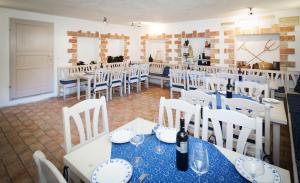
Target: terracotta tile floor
(29, 127)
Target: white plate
(270, 100)
(270, 175)
(167, 135)
(112, 171)
(120, 136)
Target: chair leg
(121, 90)
(161, 83)
(64, 92)
(128, 88)
(110, 93)
(137, 86)
(171, 93)
(107, 94)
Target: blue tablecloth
(162, 168)
(219, 102)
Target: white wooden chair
(47, 172)
(199, 97)
(179, 106)
(144, 75)
(252, 89)
(252, 109)
(116, 80)
(215, 84)
(177, 80)
(133, 77)
(88, 130)
(229, 119)
(195, 80)
(101, 79)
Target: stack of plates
(120, 136)
(270, 100)
(167, 135)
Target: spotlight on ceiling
(250, 11)
(104, 20)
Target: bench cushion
(65, 82)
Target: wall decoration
(213, 36)
(73, 35)
(166, 38)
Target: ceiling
(125, 11)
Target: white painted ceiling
(125, 11)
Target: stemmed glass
(159, 149)
(199, 159)
(136, 140)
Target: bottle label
(183, 147)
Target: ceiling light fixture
(250, 11)
(104, 20)
(135, 24)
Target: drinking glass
(159, 149)
(136, 140)
(199, 159)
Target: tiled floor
(29, 127)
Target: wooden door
(31, 58)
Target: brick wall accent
(168, 42)
(104, 41)
(213, 35)
(285, 30)
(73, 35)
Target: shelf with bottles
(195, 47)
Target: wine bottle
(182, 156)
(240, 74)
(228, 89)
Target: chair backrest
(88, 130)
(199, 97)
(177, 105)
(214, 83)
(134, 71)
(225, 75)
(255, 78)
(254, 89)
(195, 79)
(252, 109)
(228, 119)
(116, 75)
(144, 70)
(47, 172)
(101, 77)
(177, 77)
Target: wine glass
(199, 159)
(136, 140)
(159, 149)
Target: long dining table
(83, 160)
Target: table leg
(88, 90)
(78, 89)
(272, 93)
(276, 144)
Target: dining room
(149, 91)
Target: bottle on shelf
(228, 89)
(101, 65)
(182, 156)
(188, 67)
(240, 73)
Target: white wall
(88, 49)
(61, 44)
(215, 25)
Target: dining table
(89, 77)
(161, 167)
(278, 117)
